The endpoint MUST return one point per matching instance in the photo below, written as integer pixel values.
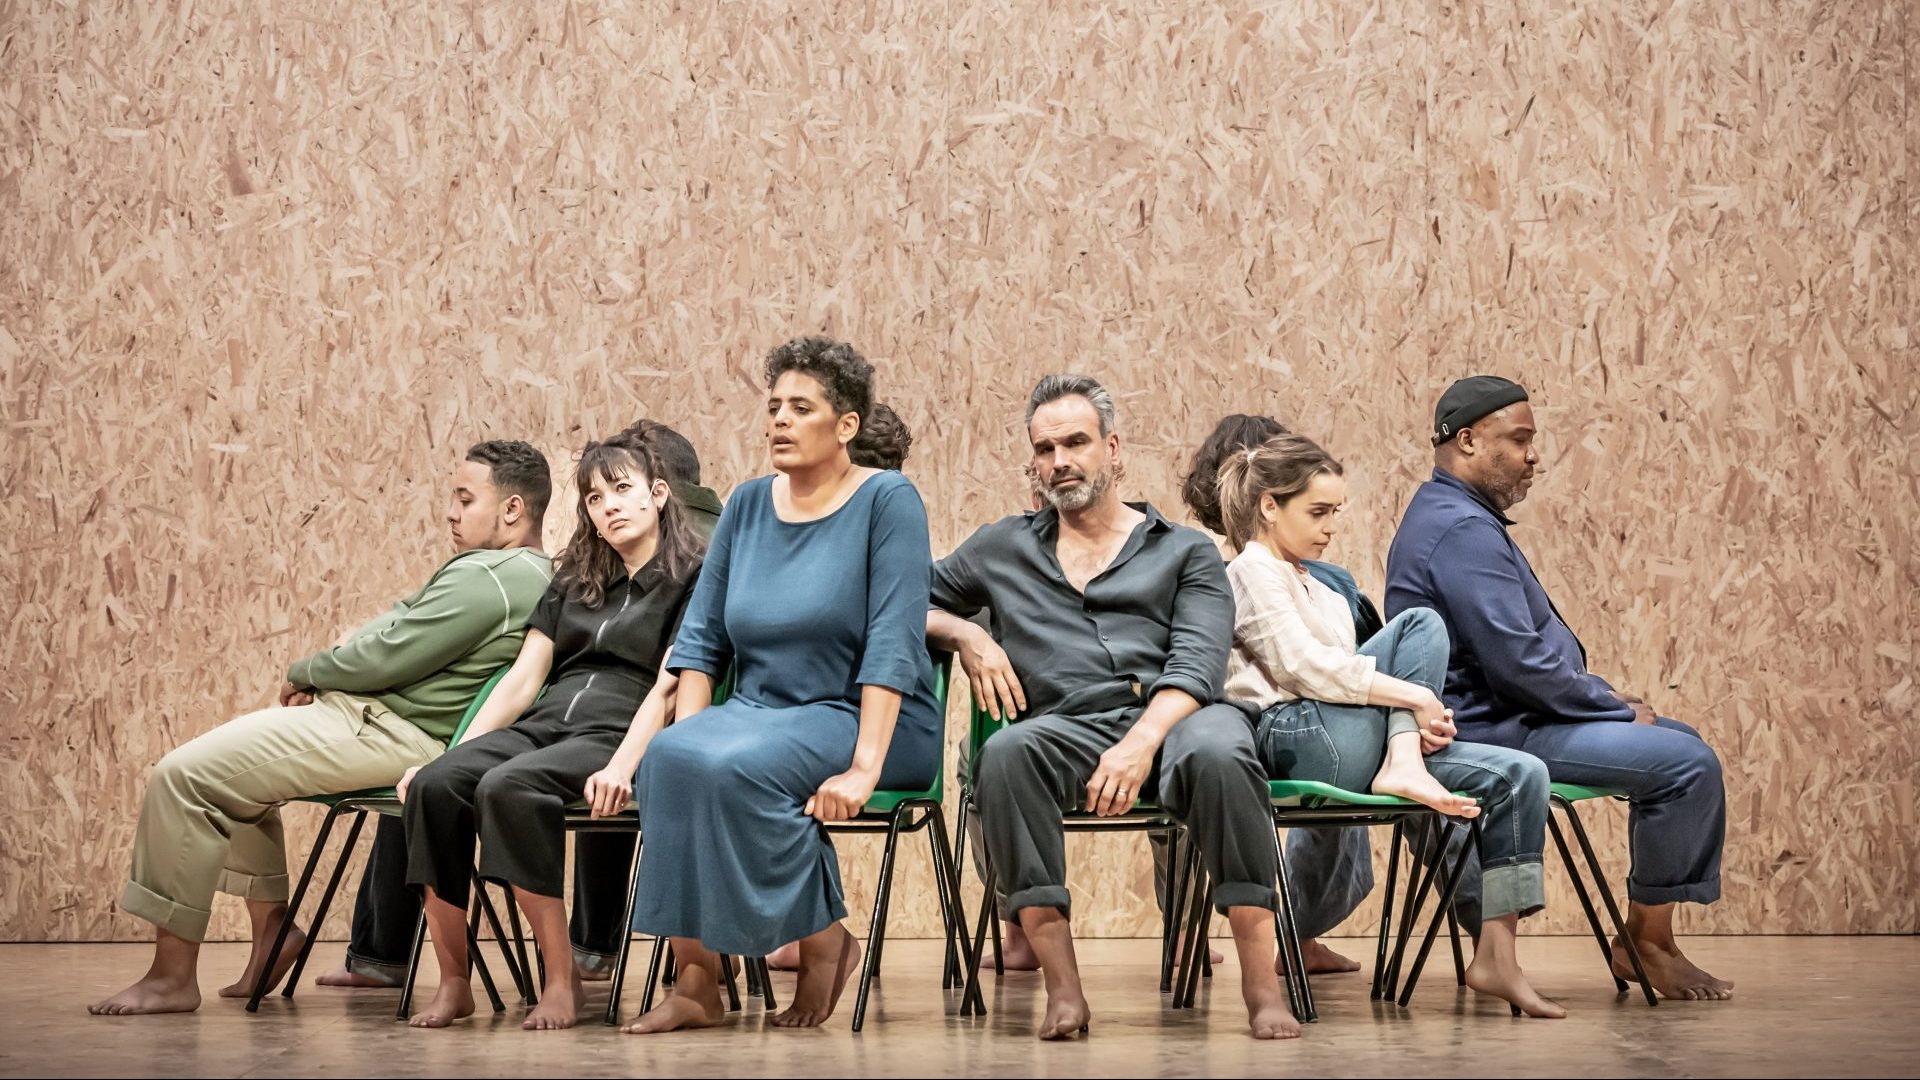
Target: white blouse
(1292, 636)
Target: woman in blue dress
(814, 590)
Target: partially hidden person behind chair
(385, 910)
(1110, 628)
(1368, 718)
(1517, 676)
(815, 592)
(355, 716)
(570, 719)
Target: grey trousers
(1207, 776)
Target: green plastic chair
(1298, 803)
(1146, 816)
(897, 813)
(384, 801)
(1562, 797)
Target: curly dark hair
(588, 562)
(517, 469)
(883, 441)
(1200, 488)
(842, 372)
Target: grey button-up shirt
(1160, 617)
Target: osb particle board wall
(266, 268)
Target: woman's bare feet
(1405, 775)
(827, 960)
(559, 1006)
(257, 959)
(785, 958)
(152, 994)
(1016, 954)
(1268, 1014)
(347, 977)
(453, 1000)
(1512, 987)
(1671, 973)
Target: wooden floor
(1804, 1005)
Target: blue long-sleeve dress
(807, 613)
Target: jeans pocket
(1294, 744)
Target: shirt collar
(646, 578)
(1046, 523)
(1447, 479)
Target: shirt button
(1103, 637)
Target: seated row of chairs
(1186, 904)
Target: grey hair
(1055, 387)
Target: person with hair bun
(814, 595)
(1362, 718)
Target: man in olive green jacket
(358, 715)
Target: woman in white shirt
(1368, 717)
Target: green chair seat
(1580, 793)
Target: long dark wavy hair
(589, 561)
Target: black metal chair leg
(477, 963)
(1455, 873)
(413, 965)
(1199, 916)
(1606, 895)
(653, 975)
(733, 988)
(530, 989)
(766, 982)
(1586, 901)
(1421, 875)
(1307, 1012)
(948, 868)
(877, 931)
(1459, 959)
(320, 913)
(1284, 929)
(260, 987)
(1173, 909)
(1386, 911)
(972, 1003)
(519, 976)
(626, 941)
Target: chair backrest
(942, 679)
(479, 699)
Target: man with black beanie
(1518, 677)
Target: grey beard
(1083, 496)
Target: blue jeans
(1677, 816)
(1343, 745)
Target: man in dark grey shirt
(1110, 632)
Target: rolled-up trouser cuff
(177, 919)
(1234, 894)
(591, 963)
(1702, 892)
(1053, 896)
(271, 888)
(1518, 888)
(392, 974)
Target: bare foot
(1067, 1016)
(679, 1012)
(150, 995)
(1015, 953)
(818, 990)
(1268, 1015)
(345, 976)
(559, 1006)
(1408, 778)
(1324, 961)
(785, 958)
(296, 940)
(452, 1001)
(1671, 973)
(1511, 986)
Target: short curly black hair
(517, 469)
(1200, 488)
(846, 376)
(883, 441)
